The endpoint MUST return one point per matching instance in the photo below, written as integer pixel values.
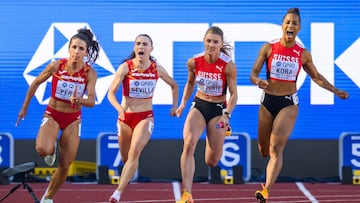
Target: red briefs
(63, 119)
(134, 118)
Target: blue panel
(171, 24)
(6, 150)
(349, 151)
(236, 152)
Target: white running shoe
(50, 159)
(43, 200)
(115, 197)
(47, 201)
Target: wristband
(227, 114)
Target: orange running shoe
(186, 198)
(263, 195)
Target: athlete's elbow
(174, 85)
(234, 97)
(175, 88)
(90, 103)
(111, 95)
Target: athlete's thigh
(214, 138)
(284, 122)
(69, 142)
(142, 134)
(47, 133)
(265, 125)
(194, 126)
(124, 138)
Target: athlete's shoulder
(57, 65)
(198, 55)
(225, 57)
(274, 41)
(88, 68)
(297, 43)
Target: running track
(202, 192)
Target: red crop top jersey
(211, 78)
(65, 85)
(284, 64)
(140, 83)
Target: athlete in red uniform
(138, 84)
(214, 73)
(138, 76)
(279, 103)
(71, 78)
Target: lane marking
(306, 192)
(176, 190)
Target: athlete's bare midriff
(280, 88)
(209, 98)
(135, 104)
(61, 106)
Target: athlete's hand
(342, 94)
(262, 84)
(21, 116)
(121, 114)
(179, 110)
(173, 112)
(75, 101)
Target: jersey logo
(296, 52)
(221, 105)
(220, 68)
(54, 46)
(62, 72)
(288, 97)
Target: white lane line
(177, 190)
(306, 192)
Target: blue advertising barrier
(107, 151)
(6, 150)
(349, 151)
(237, 152)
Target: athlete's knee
(264, 151)
(189, 148)
(212, 159)
(43, 150)
(124, 155)
(63, 169)
(276, 150)
(124, 160)
(211, 162)
(264, 154)
(134, 154)
(65, 163)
